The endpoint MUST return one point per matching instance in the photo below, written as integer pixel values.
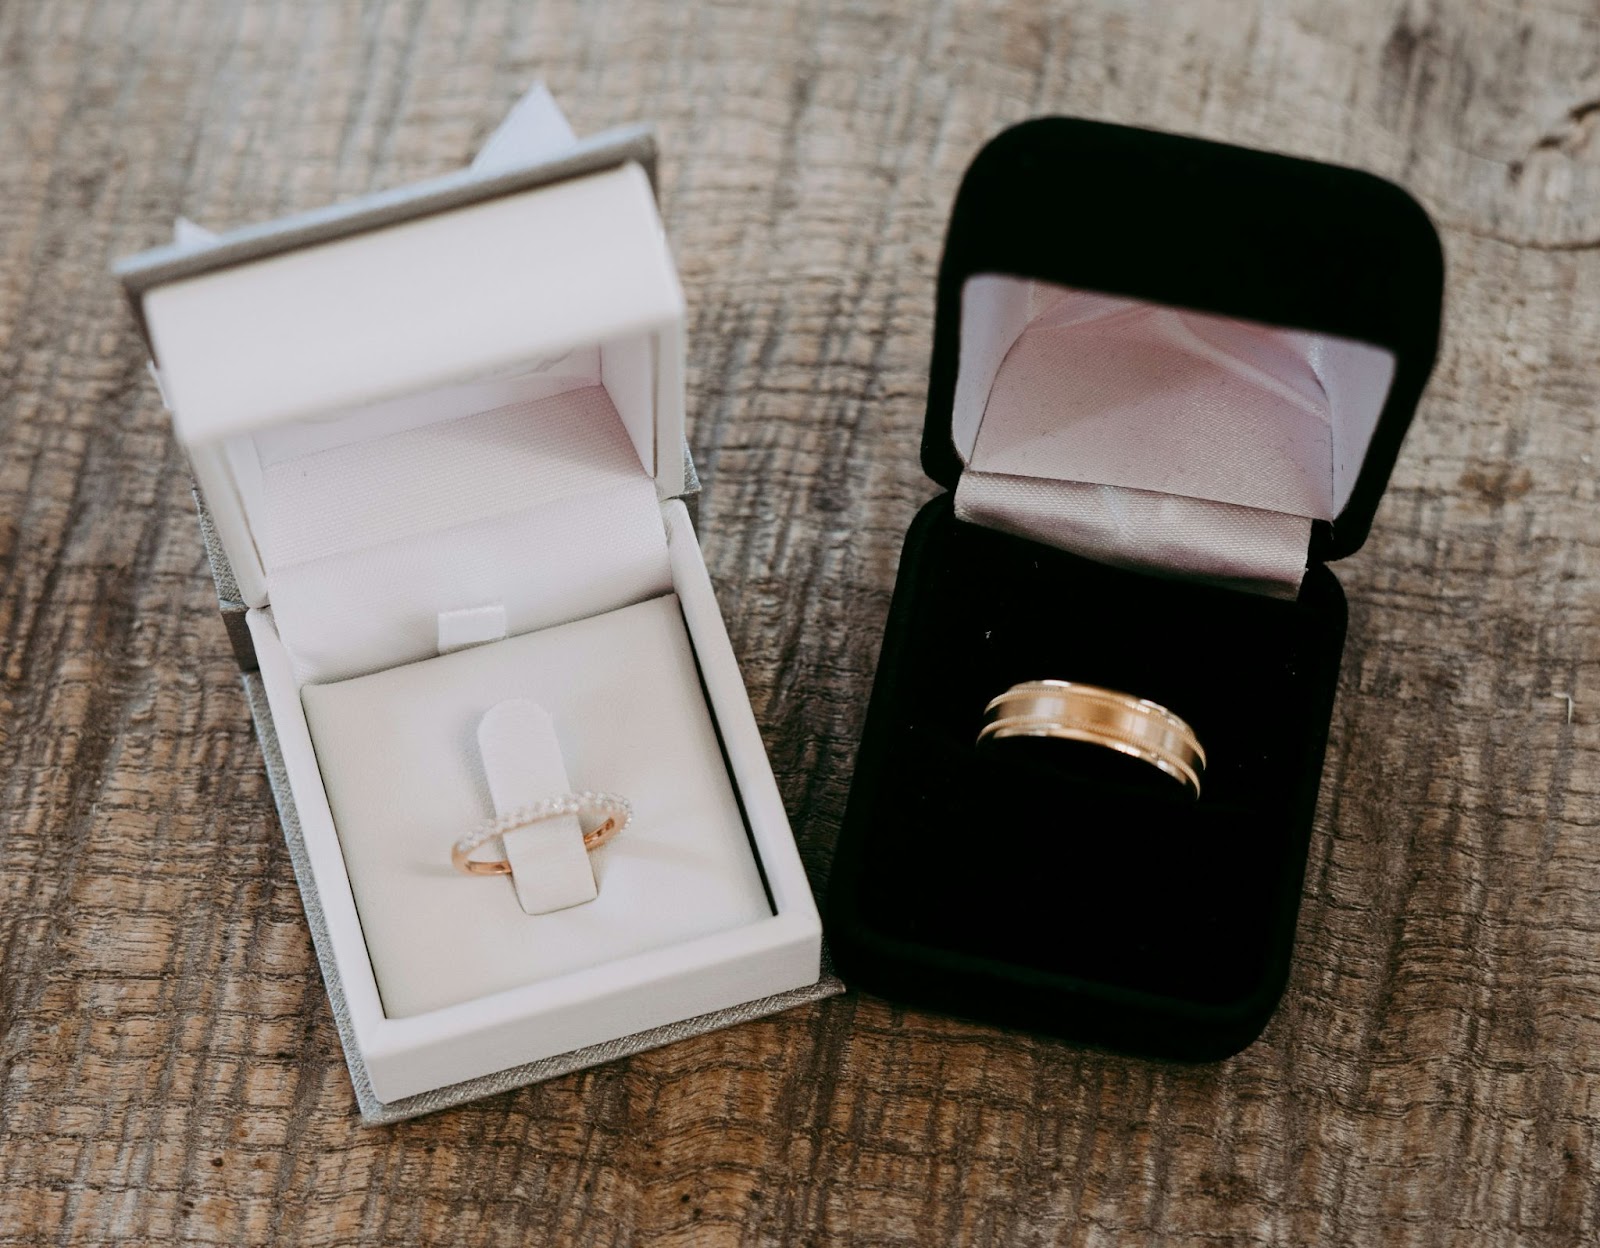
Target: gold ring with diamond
(617, 811)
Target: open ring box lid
(465, 401)
(1169, 382)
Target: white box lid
(370, 317)
(452, 280)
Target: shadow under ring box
(465, 399)
(1169, 382)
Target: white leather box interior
(395, 751)
(1157, 437)
(540, 506)
(555, 1011)
(477, 415)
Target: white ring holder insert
(522, 763)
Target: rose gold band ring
(617, 811)
(1069, 711)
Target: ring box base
(366, 489)
(375, 1111)
(1069, 889)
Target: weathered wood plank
(168, 1068)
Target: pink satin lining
(1194, 539)
(1156, 437)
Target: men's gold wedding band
(1070, 711)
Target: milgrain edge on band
(1070, 711)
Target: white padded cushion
(399, 758)
(540, 506)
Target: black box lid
(1211, 228)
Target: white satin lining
(1241, 547)
(1156, 437)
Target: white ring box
(463, 401)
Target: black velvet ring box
(1169, 382)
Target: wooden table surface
(169, 1071)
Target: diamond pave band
(618, 812)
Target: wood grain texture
(168, 1068)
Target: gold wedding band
(1069, 711)
(617, 811)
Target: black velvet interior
(1065, 886)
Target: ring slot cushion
(1100, 287)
